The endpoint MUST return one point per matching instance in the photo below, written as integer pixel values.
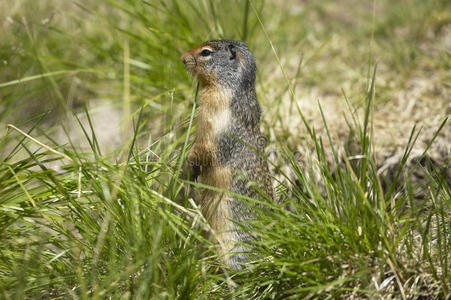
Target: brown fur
(212, 103)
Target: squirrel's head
(222, 63)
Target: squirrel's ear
(232, 52)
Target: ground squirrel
(227, 152)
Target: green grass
(115, 222)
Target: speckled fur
(228, 134)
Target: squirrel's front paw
(194, 172)
(193, 165)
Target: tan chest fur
(213, 118)
(213, 115)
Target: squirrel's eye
(205, 52)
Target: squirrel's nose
(184, 57)
(188, 58)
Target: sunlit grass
(95, 222)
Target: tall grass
(91, 223)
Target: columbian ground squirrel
(227, 152)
